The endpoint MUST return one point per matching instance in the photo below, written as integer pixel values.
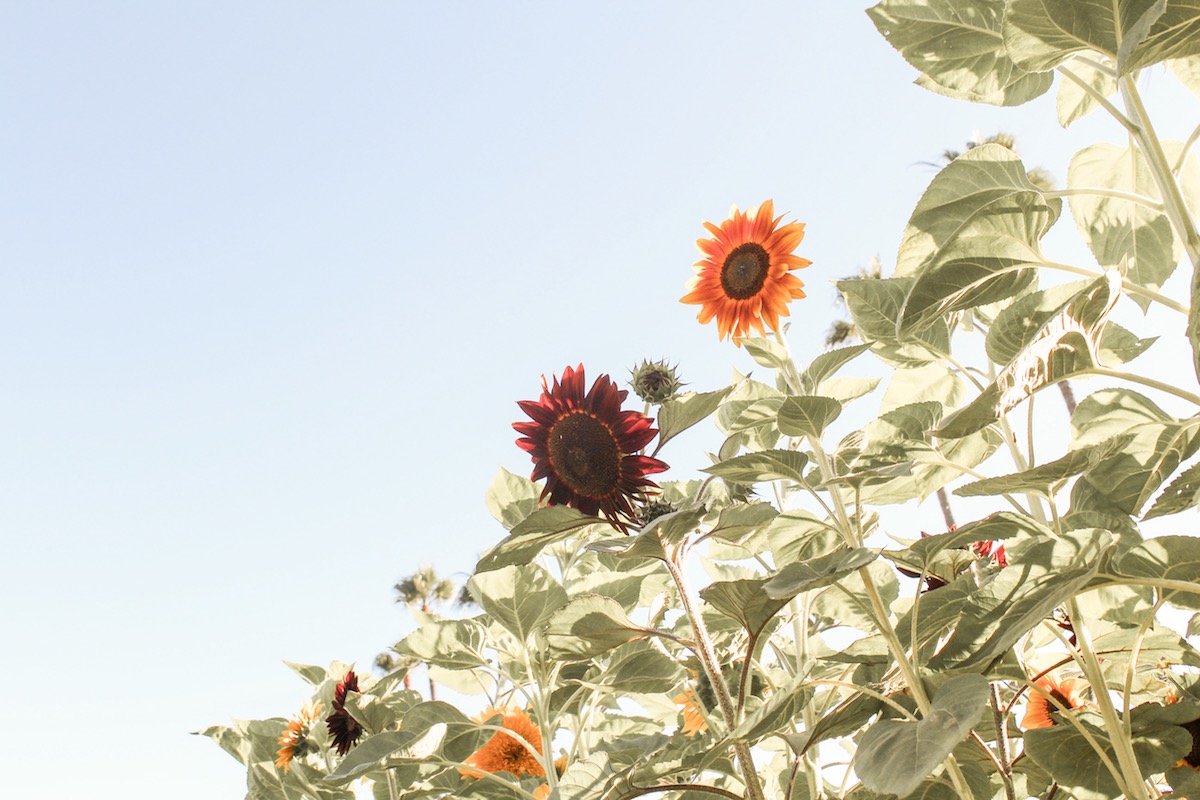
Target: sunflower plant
(775, 627)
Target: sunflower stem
(712, 669)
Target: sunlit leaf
(827, 364)
(1073, 102)
(588, 626)
(1180, 495)
(804, 576)
(542, 528)
(511, 498)
(520, 598)
(1044, 476)
(807, 415)
(682, 412)
(451, 643)
(768, 465)
(1171, 558)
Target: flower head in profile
(744, 279)
(505, 752)
(296, 741)
(344, 728)
(586, 447)
(1067, 693)
(694, 721)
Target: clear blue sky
(273, 275)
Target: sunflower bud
(653, 509)
(654, 381)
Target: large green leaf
(804, 576)
(1038, 578)
(1157, 444)
(1123, 234)
(875, 307)
(1180, 495)
(520, 598)
(588, 626)
(1040, 34)
(585, 778)
(767, 465)
(639, 667)
(737, 522)
(511, 498)
(542, 528)
(894, 756)
(807, 415)
(450, 644)
(983, 192)
(682, 412)
(1065, 345)
(1174, 558)
(1064, 752)
(746, 601)
(827, 364)
(1045, 477)
(958, 48)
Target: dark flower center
(1062, 699)
(745, 271)
(1193, 756)
(585, 454)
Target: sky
(274, 275)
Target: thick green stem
(712, 669)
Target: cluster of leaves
(808, 640)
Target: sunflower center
(745, 271)
(585, 454)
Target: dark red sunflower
(586, 447)
(744, 279)
(344, 728)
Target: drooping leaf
(894, 756)
(958, 48)
(520, 598)
(767, 353)
(777, 713)
(1073, 102)
(875, 307)
(314, 676)
(367, 754)
(588, 626)
(1065, 345)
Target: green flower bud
(654, 381)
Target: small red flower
(989, 548)
(344, 728)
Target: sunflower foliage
(776, 627)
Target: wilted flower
(296, 741)
(586, 447)
(744, 279)
(505, 752)
(344, 728)
(654, 381)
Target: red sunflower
(586, 447)
(744, 279)
(344, 728)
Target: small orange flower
(693, 715)
(1066, 691)
(744, 278)
(504, 752)
(295, 743)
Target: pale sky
(274, 276)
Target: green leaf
(765, 352)
(314, 676)
(640, 668)
(1064, 752)
(1063, 346)
(983, 192)
(367, 754)
(1180, 495)
(768, 465)
(1072, 101)
(967, 272)
(844, 390)
(1188, 72)
(827, 364)
(1158, 443)
(745, 601)
(958, 48)
(1172, 558)
(998, 527)
(894, 756)
(658, 539)
(931, 382)
(511, 498)
(1038, 578)
(875, 307)
(519, 598)
(680, 413)
(777, 713)
(807, 415)
(585, 778)
(803, 576)
(450, 644)
(1123, 234)
(1040, 35)
(1119, 346)
(736, 523)
(588, 626)
(539, 530)
(1044, 477)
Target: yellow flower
(504, 752)
(744, 279)
(294, 743)
(693, 714)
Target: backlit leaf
(520, 598)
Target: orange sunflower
(1067, 692)
(693, 715)
(586, 447)
(504, 752)
(744, 279)
(295, 741)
